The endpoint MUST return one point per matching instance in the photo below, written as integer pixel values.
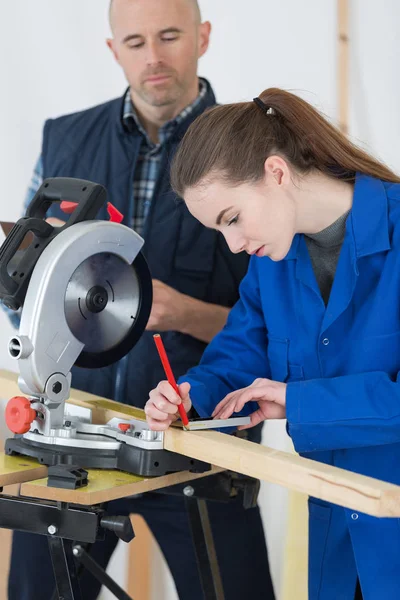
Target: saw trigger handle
(88, 196)
(22, 249)
(14, 281)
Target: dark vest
(94, 144)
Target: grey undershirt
(324, 249)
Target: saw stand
(72, 528)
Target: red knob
(124, 426)
(19, 414)
(68, 207)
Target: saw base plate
(138, 461)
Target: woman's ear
(277, 168)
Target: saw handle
(13, 286)
(88, 196)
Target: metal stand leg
(220, 487)
(94, 568)
(205, 550)
(64, 569)
(66, 523)
(85, 561)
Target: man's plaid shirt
(148, 161)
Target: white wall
(54, 60)
(375, 82)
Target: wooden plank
(342, 487)
(343, 64)
(18, 469)
(372, 496)
(108, 485)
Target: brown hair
(235, 140)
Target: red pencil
(170, 375)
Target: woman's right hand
(162, 406)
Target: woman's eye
(233, 220)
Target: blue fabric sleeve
(344, 412)
(236, 356)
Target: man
(127, 145)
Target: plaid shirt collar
(130, 117)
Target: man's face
(158, 44)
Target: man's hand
(269, 395)
(55, 222)
(173, 311)
(168, 310)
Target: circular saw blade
(107, 305)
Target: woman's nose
(235, 244)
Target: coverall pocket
(278, 357)
(296, 373)
(379, 353)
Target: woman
(315, 336)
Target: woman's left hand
(269, 395)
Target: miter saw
(85, 292)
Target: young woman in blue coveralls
(315, 336)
